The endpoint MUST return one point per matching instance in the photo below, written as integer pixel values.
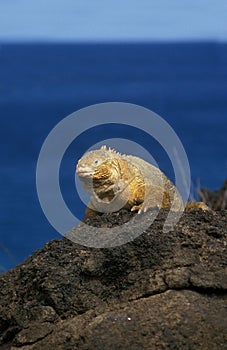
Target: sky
(119, 20)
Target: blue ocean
(40, 84)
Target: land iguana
(117, 181)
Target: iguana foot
(196, 205)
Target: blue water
(41, 84)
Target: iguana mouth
(84, 171)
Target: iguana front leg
(97, 206)
(155, 196)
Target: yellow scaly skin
(117, 181)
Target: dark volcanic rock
(159, 291)
(216, 200)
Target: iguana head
(99, 169)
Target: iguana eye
(96, 162)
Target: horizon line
(112, 41)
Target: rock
(216, 200)
(159, 291)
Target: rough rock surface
(159, 291)
(216, 200)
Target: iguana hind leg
(196, 205)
